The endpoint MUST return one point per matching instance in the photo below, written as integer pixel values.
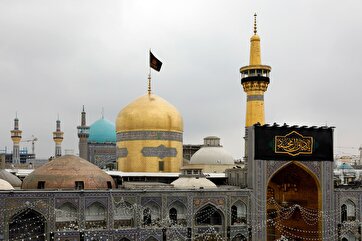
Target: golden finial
(255, 30)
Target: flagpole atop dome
(149, 82)
(154, 64)
(149, 76)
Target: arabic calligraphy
(294, 144)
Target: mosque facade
(284, 191)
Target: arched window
(209, 215)
(151, 213)
(147, 218)
(344, 213)
(177, 213)
(234, 214)
(173, 215)
(344, 239)
(238, 213)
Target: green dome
(102, 131)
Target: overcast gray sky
(56, 56)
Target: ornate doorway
(27, 225)
(293, 204)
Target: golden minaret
(255, 80)
(58, 139)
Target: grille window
(161, 166)
(79, 185)
(41, 184)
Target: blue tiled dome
(345, 166)
(102, 131)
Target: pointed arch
(291, 184)
(301, 165)
(177, 213)
(95, 216)
(66, 217)
(123, 215)
(173, 215)
(151, 213)
(349, 210)
(124, 239)
(209, 215)
(20, 228)
(151, 238)
(344, 213)
(349, 236)
(66, 212)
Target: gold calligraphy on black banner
(293, 144)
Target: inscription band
(149, 135)
(255, 97)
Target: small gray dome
(10, 178)
(212, 155)
(193, 182)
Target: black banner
(155, 63)
(293, 143)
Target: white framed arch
(95, 216)
(66, 212)
(238, 213)
(151, 213)
(177, 213)
(348, 210)
(124, 215)
(95, 212)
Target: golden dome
(149, 112)
(63, 173)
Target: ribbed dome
(102, 131)
(10, 178)
(212, 155)
(4, 185)
(63, 172)
(149, 112)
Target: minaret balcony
(259, 78)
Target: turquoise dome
(345, 166)
(102, 131)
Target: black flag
(155, 63)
